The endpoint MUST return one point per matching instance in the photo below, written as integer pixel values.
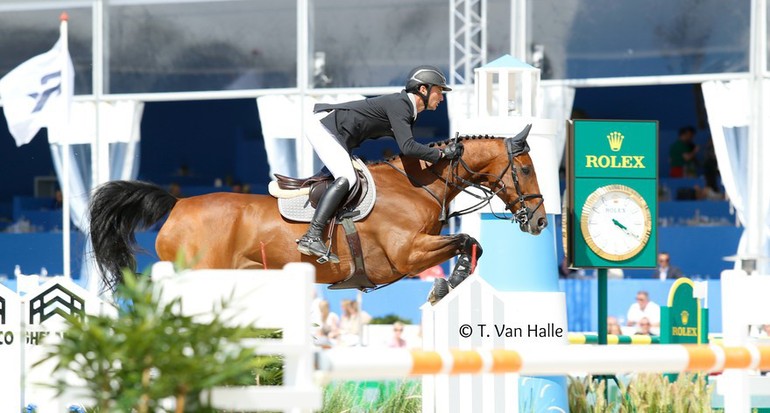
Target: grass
(370, 396)
(649, 393)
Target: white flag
(37, 93)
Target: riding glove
(453, 150)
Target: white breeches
(329, 150)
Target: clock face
(616, 222)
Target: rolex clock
(616, 222)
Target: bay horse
(400, 237)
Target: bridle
(514, 147)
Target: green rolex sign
(682, 320)
(612, 210)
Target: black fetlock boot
(461, 271)
(311, 243)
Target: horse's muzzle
(531, 224)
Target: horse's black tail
(118, 209)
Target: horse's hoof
(440, 290)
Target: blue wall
(32, 251)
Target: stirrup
(324, 254)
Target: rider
(342, 127)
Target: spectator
(644, 328)
(352, 322)
(57, 200)
(665, 270)
(175, 190)
(322, 339)
(711, 190)
(682, 154)
(329, 324)
(643, 308)
(613, 326)
(240, 188)
(397, 340)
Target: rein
(431, 193)
(521, 216)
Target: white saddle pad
(298, 208)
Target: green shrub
(390, 319)
(150, 352)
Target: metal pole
(65, 153)
(758, 62)
(304, 151)
(519, 29)
(100, 154)
(602, 278)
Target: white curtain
(727, 105)
(120, 130)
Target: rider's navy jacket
(387, 115)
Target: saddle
(317, 184)
(298, 197)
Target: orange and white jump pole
(364, 363)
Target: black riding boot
(311, 243)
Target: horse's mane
(434, 144)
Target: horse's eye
(526, 170)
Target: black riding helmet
(425, 75)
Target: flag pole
(65, 149)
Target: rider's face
(435, 98)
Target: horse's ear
(518, 144)
(523, 134)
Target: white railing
(274, 299)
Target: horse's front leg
(435, 249)
(429, 250)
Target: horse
(400, 237)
